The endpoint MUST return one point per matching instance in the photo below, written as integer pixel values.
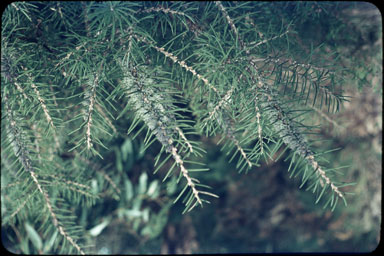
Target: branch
(23, 155)
(152, 108)
(286, 130)
(177, 61)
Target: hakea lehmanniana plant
(180, 69)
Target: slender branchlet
(222, 118)
(44, 107)
(326, 117)
(222, 103)
(21, 206)
(230, 22)
(21, 90)
(232, 137)
(291, 136)
(41, 102)
(107, 119)
(164, 10)
(36, 140)
(77, 187)
(23, 155)
(293, 64)
(177, 61)
(150, 108)
(311, 160)
(70, 182)
(90, 97)
(259, 127)
(255, 44)
(107, 178)
(7, 59)
(69, 54)
(190, 181)
(184, 138)
(302, 79)
(12, 76)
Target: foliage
(88, 89)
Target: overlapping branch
(151, 107)
(291, 136)
(23, 155)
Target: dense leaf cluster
(76, 76)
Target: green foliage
(78, 77)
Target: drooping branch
(23, 155)
(152, 109)
(291, 136)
